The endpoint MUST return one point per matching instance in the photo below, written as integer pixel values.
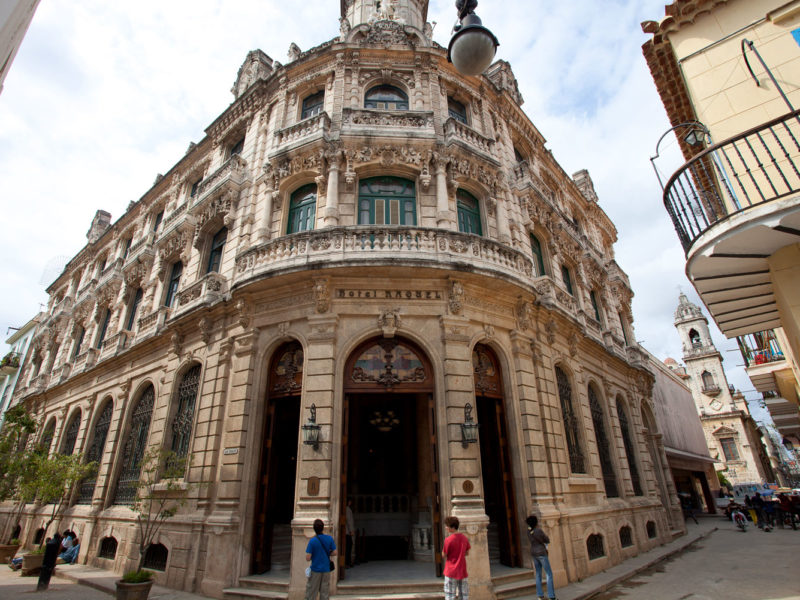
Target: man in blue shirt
(319, 551)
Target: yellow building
(380, 253)
(728, 72)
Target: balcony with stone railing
(345, 246)
(456, 132)
(229, 177)
(304, 132)
(696, 350)
(173, 217)
(405, 123)
(112, 271)
(86, 291)
(140, 248)
(208, 290)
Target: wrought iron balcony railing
(760, 348)
(754, 167)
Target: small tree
(15, 458)
(160, 492)
(724, 480)
(56, 477)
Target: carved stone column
(444, 216)
(503, 230)
(332, 200)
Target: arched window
(312, 105)
(594, 546)
(387, 201)
(184, 413)
(456, 110)
(302, 209)
(47, 437)
(155, 557)
(95, 452)
(134, 447)
(236, 147)
(708, 381)
(71, 434)
(625, 536)
(469, 214)
(173, 283)
(538, 256)
(134, 308)
(386, 97)
(108, 548)
(566, 278)
(629, 451)
(598, 420)
(570, 422)
(215, 252)
(694, 338)
(103, 328)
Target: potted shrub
(160, 491)
(7, 551)
(32, 562)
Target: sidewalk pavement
(104, 581)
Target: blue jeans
(542, 562)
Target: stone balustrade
(313, 127)
(172, 217)
(364, 117)
(232, 174)
(457, 132)
(383, 244)
(209, 289)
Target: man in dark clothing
(541, 561)
(319, 551)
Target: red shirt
(455, 548)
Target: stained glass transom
(485, 372)
(287, 372)
(388, 363)
(95, 452)
(134, 448)
(576, 462)
(184, 414)
(598, 420)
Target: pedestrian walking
(456, 549)
(319, 551)
(541, 560)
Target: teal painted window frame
(538, 255)
(302, 209)
(566, 278)
(312, 105)
(595, 306)
(469, 212)
(375, 191)
(216, 250)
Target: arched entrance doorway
(272, 534)
(498, 479)
(389, 456)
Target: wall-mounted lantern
(311, 430)
(469, 428)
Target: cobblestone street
(728, 564)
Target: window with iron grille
(134, 448)
(594, 545)
(598, 420)
(71, 435)
(625, 537)
(651, 529)
(576, 462)
(629, 452)
(155, 557)
(108, 548)
(95, 452)
(184, 413)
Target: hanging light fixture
(469, 428)
(473, 46)
(384, 422)
(311, 430)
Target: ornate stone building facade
(373, 251)
(731, 433)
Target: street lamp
(469, 428)
(697, 136)
(472, 47)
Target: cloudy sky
(104, 95)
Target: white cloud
(102, 96)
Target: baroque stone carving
(244, 310)
(389, 33)
(550, 329)
(573, 344)
(456, 299)
(322, 295)
(523, 314)
(204, 325)
(488, 332)
(389, 321)
(176, 343)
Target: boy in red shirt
(456, 548)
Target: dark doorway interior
(275, 510)
(389, 476)
(498, 490)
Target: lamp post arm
(748, 44)
(663, 135)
